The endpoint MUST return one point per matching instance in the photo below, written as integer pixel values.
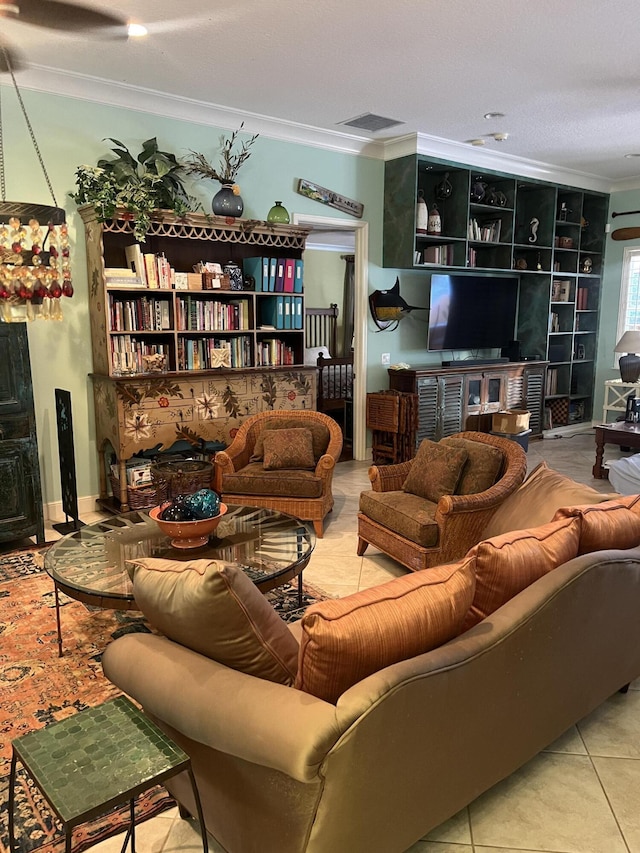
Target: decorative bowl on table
(187, 534)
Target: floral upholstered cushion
(288, 448)
(404, 513)
(536, 501)
(346, 639)
(507, 564)
(214, 609)
(482, 467)
(607, 525)
(435, 470)
(319, 434)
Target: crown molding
(84, 87)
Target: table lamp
(630, 363)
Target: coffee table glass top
(270, 546)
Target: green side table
(99, 758)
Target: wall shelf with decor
(187, 363)
(492, 221)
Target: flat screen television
(471, 312)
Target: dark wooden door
(20, 493)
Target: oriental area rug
(38, 688)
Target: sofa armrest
(259, 721)
(324, 468)
(389, 478)
(229, 461)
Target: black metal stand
(67, 464)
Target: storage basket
(140, 497)
(181, 476)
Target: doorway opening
(358, 231)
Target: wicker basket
(181, 476)
(140, 497)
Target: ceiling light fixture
(629, 156)
(476, 142)
(493, 115)
(500, 137)
(137, 30)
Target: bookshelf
(179, 357)
(551, 235)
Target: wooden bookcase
(189, 400)
(551, 235)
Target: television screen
(469, 312)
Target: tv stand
(474, 362)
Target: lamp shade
(629, 364)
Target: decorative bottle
(278, 213)
(434, 223)
(422, 214)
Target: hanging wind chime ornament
(35, 269)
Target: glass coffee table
(90, 564)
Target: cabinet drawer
(11, 428)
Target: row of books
(127, 354)
(136, 315)
(281, 312)
(551, 386)
(560, 291)
(204, 353)
(438, 255)
(582, 298)
(153, 271)
(275, 275)
(203, 315)
(484, 232)
(273, 352)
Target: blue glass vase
(226, 203)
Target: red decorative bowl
(187, 534)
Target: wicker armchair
(305, 494)
(456, 522)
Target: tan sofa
(405, 747)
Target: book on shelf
(551, 386)
(298, 280)
(560, 290)
(135, 261)
(279, 288)
(151, 270)
(582, 298)
(123, 276)
(289, 272)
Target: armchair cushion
(215, 609)
(535, 502)
(507, 564)
(409, 515)
(254, 480)
(288, 448)
(482, 468)
(435, 470)
(319, 434)
(607, 525)
(346, 639)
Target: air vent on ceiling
(372, 122)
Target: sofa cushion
(214, 609)
(346, 639)
(254, 480)
(288, 448)
(536, 501)
(507, 564)
(319, 433)
(607, 525)
(482, 468)
(435, 470)
(404, 513)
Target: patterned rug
(37, 687)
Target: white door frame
(361, 276)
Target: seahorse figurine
(533, 225)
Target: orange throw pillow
(507, 564)
(607, 525)
(346, 639)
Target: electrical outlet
(386, 358)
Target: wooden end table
(620, 433)
(98, 759)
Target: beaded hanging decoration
(35, 270)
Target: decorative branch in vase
(227, 201)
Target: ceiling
(565, 74)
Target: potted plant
(151, 181)
(227, 201)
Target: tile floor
(581, 795)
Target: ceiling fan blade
(632, 233)
(10, 60)
(57, 15)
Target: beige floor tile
(379, 569)
(620, 778)
(456, 830)
(613, 729)
(336, 541)
(555, 802)
(333, 569)
(439, 847)
(151, 836)
(569, 742)
(185, 837)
